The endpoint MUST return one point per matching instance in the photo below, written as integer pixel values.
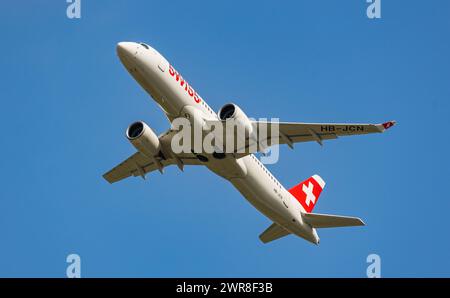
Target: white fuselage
(178, 99)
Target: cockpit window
(145, 46)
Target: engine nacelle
(232, 111)
(142, 137)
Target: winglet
(386, 125)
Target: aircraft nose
(126, 49)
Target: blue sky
(67, 100)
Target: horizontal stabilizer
(274, 232)
(331, 221)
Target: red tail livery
(308, 192)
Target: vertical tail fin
(308, 192)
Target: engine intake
(232, 111)
(227, 111)
(135, 130)
(142, 137)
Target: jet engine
(142, 137)
(232, 111)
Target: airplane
(290, 210)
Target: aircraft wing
(295, 132)
(139, 165)
(291, 132)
